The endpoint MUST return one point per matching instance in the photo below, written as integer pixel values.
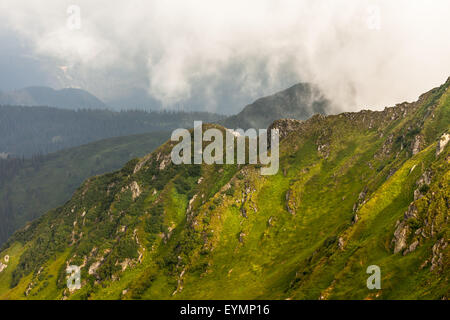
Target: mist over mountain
(178, 51)
(299, 102)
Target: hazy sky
(220, 55)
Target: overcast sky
(220, 55)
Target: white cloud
(179, 49)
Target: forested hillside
(27, 131)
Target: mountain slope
(300, 102)
(67, 98)
(16, 207)
(31, 187)
(353, 190)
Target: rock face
(136, 191)
(417, 145)
(423, 182)
(341, 243)
(284, 126)
(3, 266)
(438, 258)
(403, 231)
(443, 141)
(400, 236)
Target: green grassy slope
(46, 183)
(353, 190)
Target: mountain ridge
(27, 131)
(353, 190)
(299, 101)
(66, 98)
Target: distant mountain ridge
(299, 102)
(25, 131)
(67, 98)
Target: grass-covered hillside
(31, 187)
(353, 190)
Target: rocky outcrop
(442, 142)
(141, 163)
(386, 148)
(361, 201)
(190, 207)
(425, 178)
(135, 190)
(403, 231)
(417, 144)
(290, 204)
(166, 160)
(285, 127)
(246, 200)
(3, 266)
(437, 261)
(341, 243)
(93, 268)
(422, 184)
(323, 143)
